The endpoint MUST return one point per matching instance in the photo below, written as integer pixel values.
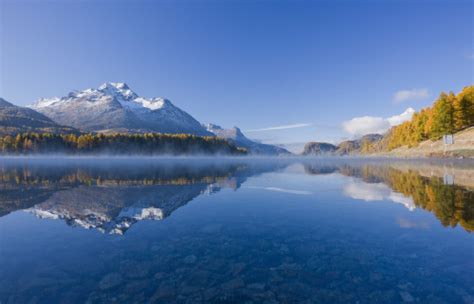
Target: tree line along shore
(122, 144)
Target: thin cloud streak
(282, 190)
(293, 126)
(410, 95)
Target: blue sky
(306, 67)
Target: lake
(236, 231)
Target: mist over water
(235, 230)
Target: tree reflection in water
(105, 195)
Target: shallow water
(236, 231)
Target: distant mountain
(317, 148)
(14, 119)
(236, 136)
(348, 147)
(352, 147)
(114, 107)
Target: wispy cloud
(358, 126)
(285, 127)
(408, 223)
(283, 190)
(410, 95)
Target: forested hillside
(123, 144)
(449, 114)
(15, 119)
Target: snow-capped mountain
(236, 136)
(115, 107)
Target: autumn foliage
(123, 144)
(449, 114)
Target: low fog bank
(61, 158)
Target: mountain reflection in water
(111, 198)
(236, 231)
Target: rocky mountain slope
(14, 119)
(318, 148)
(236, 136)
(463, 147)
(348, 147)
(114, 107)
(352, 147)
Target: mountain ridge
(15, 119)
(114, 107)
(236, 136)
(347, 147)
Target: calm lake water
(236, 231)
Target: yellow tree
(464, 108)
(443, 122)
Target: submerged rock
(256, 286)
(135, 270)
(190, 259)
(110, 280)
(211, 228)
(289, 270)
(406, 296)
(165, 291)
(233, 284)
(160, 275)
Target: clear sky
(313, 66)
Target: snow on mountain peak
(153, 103)
(212, 127)
(118, 88)
(113, 105)
(130, 99)
(46, 102)
(117, 85)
